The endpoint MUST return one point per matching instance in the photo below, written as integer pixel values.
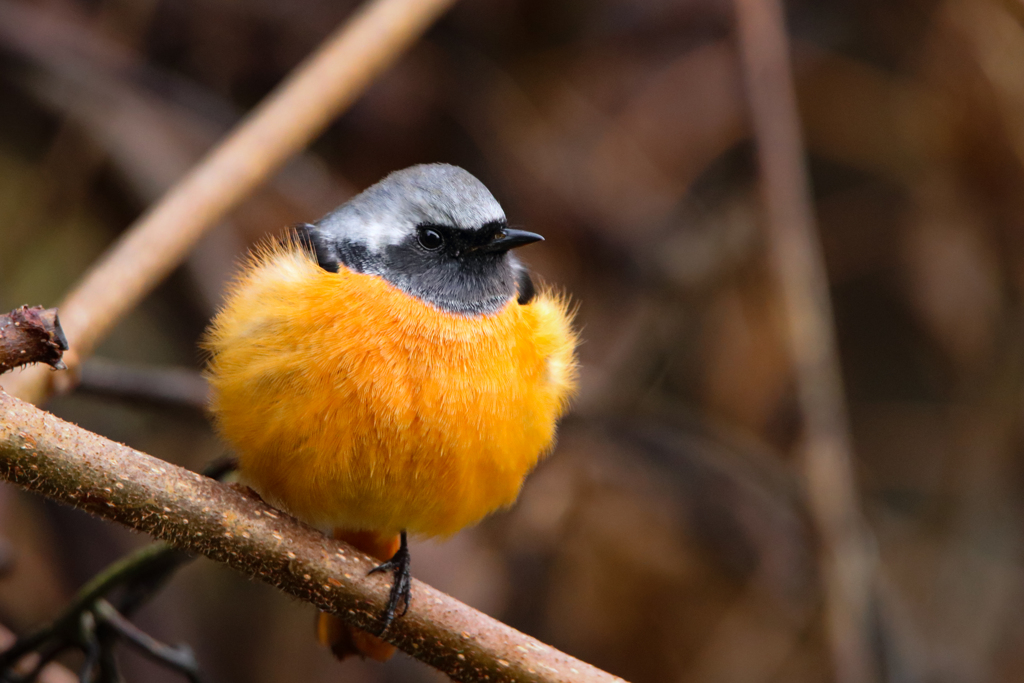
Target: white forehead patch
(389, 212)
(374, 234)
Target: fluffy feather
(354, 405)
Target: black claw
(401, 586)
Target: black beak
(510, 238)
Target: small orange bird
(391, 370)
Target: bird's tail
(345, 640)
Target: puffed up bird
(391, 370)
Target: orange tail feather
(345, 640)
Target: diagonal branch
(232, 525)
(298, 110)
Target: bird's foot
(401, 586)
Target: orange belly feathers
(354, 405)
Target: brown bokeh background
(667, 538)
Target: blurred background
(667, 538)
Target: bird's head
(435, 232)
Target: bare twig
(198, 515)
(31, 335)
(152, 561)
(134, 578)
(158, 386)
(847, 554)
(316, 92)
(177, 657)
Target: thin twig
(848, 560)
(141, 563)
(149, 385)
(198, 515)
(135, 578)
(177, 657)
(314, 94)
(87, 634)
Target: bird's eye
(430, 239)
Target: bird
(392, 369)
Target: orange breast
(354, 405)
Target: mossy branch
(232, 525)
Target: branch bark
(847, 555)
(285, 122)
(232, 525)
(31, 335)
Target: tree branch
(298, 110)
(232, 525)
(31, 335)
(847, 558)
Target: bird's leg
(401, 586)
